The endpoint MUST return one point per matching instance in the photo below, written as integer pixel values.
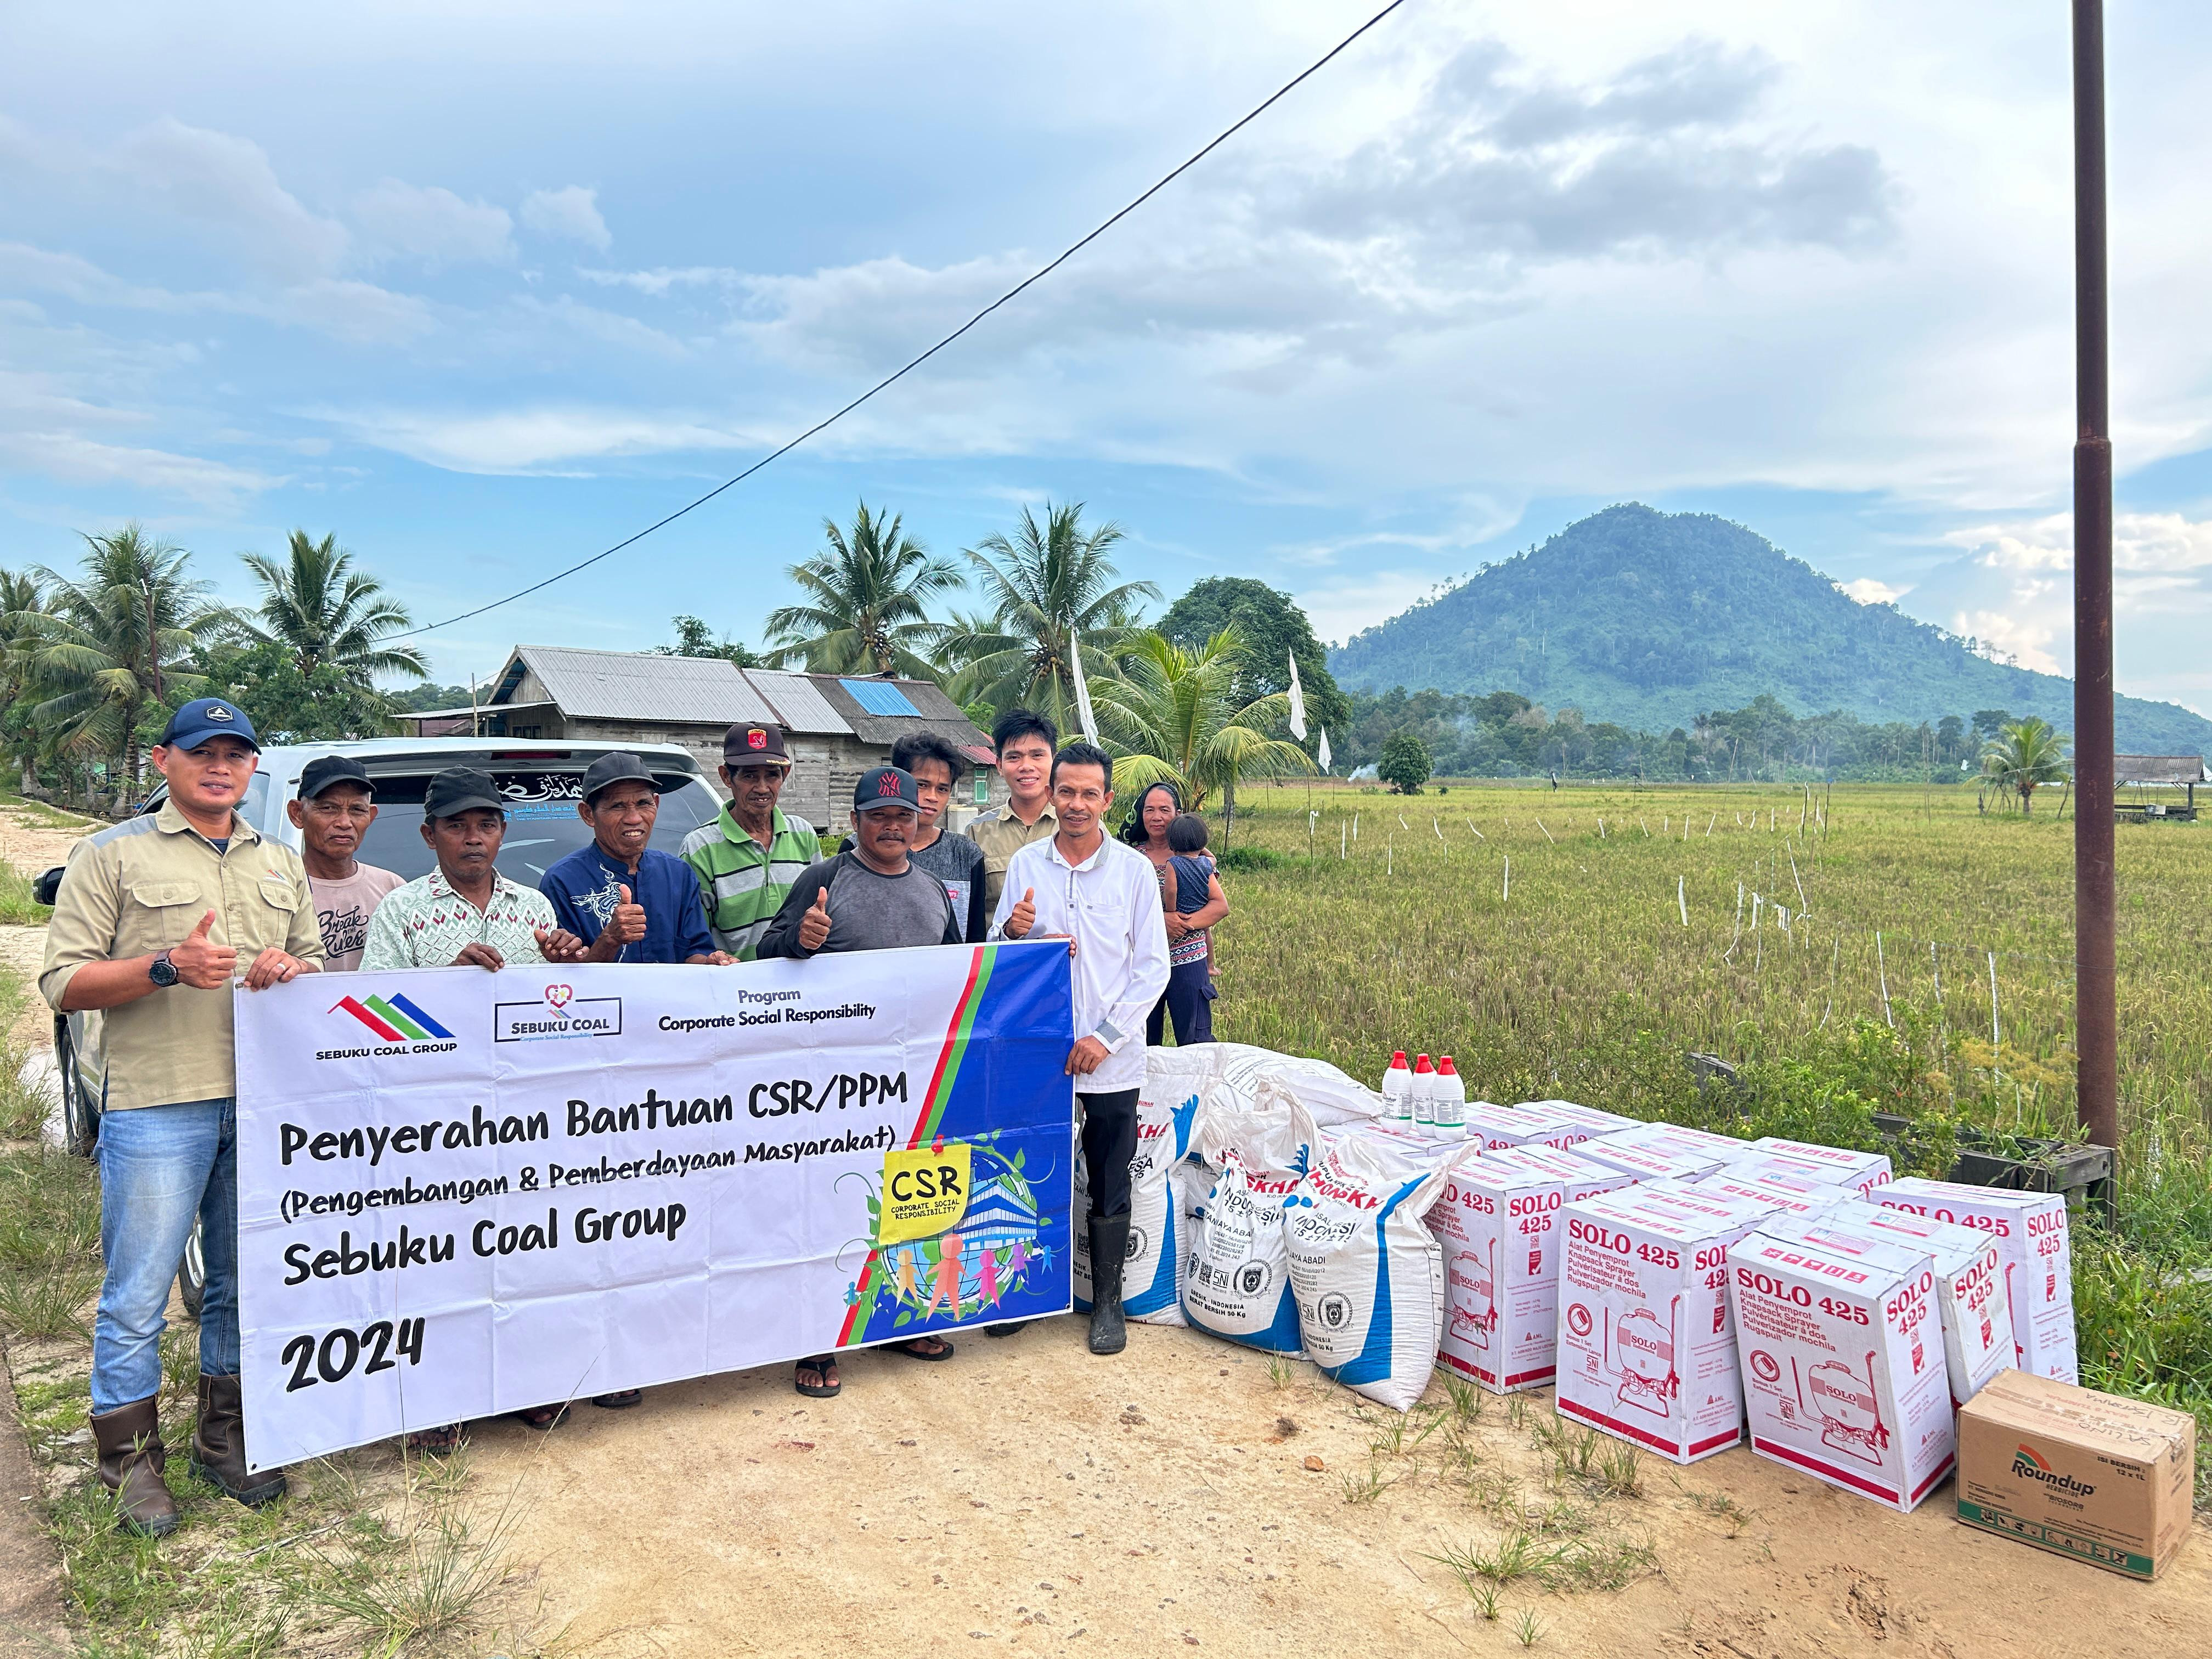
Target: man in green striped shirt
(747, 858)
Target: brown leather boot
(219, 1446)
(131, 1459)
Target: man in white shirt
(1083, 885)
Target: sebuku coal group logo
(401, 1026)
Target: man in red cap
(747, 858)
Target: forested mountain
(1648, 619)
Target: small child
(1189, 999)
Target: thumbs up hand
(1022, 916)
(200, 962)
(628, 923)
(814, 926)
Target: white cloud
(226, 185)
(1867, 591)
(573, 213)
(545, 439)
(432, 224)
(660, 281)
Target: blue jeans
(158, 1167)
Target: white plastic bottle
(1424, 1097)
(1451, 1102)
(1398, 1091)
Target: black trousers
(1110, 1141)
(1188, 1000)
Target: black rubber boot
(1109, 1250)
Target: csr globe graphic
(954, 1233)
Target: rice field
(1868, 948)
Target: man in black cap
(628, 900)
(747, 858)
(158, 917)
(464, 912)
(335, 806)
(869, 897)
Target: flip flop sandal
(543, 1417)
(913, 1350)
(825, 1390)
(621, 1401)
(438, 1443)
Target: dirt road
(1026, 1496)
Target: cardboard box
(1646, 1346)
(1648, 1160)
(1969, 1287)
(1502, 1128)
(2067, 1469)
(1842, 1363)
(1774, 1192)
(1600, 1122)
(2030, 1231)
(1861, 1171)
(1500, 1224)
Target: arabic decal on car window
(544, 785)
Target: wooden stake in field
(1506, 892)
(1476, 833)
(1547, 834)
(1709, 823)
(1681, 902)
(1882, 967)
(1343, 839)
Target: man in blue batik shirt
(626, 900)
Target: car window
(542, 824)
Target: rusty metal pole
(2096, 1015)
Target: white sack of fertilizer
(1332, 1095)
(1368, 1273)
(1237, 1283)
(1172, 1104)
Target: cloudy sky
(485, 288)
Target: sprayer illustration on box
(1848, 1411)
(1642, 1355)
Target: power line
(1042, 271)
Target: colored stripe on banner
(947, 1074)
(420, 1018)
(374, 1022)
(391, 1016)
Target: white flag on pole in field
(1323, 756)
(1297, 703)
(1090, 721)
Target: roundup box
(2078, 1473)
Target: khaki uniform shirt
(1000, 837)
(141, 886)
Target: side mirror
(48, 885)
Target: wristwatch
(161, 970)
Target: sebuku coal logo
(401, 1026)
(559, 1013)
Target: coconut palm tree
(2023, 756)
(328, 615)
(1174, 715)
(866, 610)
(21, 597)
(1051, 590)
(115, 644)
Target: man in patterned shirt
(748, 858)
(464, 912)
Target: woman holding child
(1191, 900)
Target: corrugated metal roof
(799, 703)
(631, 685)
(2158, 769)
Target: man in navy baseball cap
(209, 717)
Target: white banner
(463, 1193)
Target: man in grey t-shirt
(869, 897)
